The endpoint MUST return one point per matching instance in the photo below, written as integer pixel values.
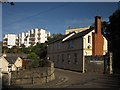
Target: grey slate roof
(58, 39)
(11, 58)
(80, 34)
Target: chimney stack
(98, 40)
(98, 25)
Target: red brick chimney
(98, 24)
(98, 41)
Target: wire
(28, 17)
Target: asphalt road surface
(72, 79)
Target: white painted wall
(87, 51)
(18, 63)
(11, 39)
(105, 46)
(86, 44)
(3, 64)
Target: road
(72, 79)
(88, 80)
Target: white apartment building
(31, 37)
(10, 40)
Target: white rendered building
(31, 37)
(10, 40)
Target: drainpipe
(83, 64)
(9, 73)
(84, 56)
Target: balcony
(32, 43)
(32, 35)
(25, 39)
(32, 39)
(17, 43)
(39, 38)
(17, 40)
(5, 39)
(4, 43)
(39, 34)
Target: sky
(54, 17)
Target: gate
(5, 79)
(97, 64)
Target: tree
(113, 35)
(14, 49)
(54, 37)
(40, 50)
(34, 58)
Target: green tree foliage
(113, 34)
(33, 56)
(113, 30)
(57, 35)
(35, 60)
(54, 37)
(40, 50)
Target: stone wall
(33, 76)
(95, 64)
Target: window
(75, 58)
(53, 59)
(53, 46)
(71, 44)
(62, 57)
(58, 58)
(68, 58)
(59, 45)
(89, 39)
